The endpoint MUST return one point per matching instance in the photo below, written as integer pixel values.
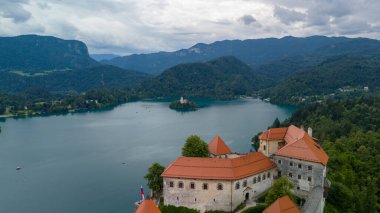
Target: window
(263, 176)
(290, 174)
(205, 186)
(279, 173)
(265, 147)
(192, 185)
(309, 179)
(259, 179)
(237, 185)
(268, 174)
(279, 161)
(290, 163)
(299, 177)
(220, 186)
(245, 183)
(254, 180)
(310, 168)
(180, 184)
(298, 188)
(171, 184)
(300, 166)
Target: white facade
(223, 195)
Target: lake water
(74, 163)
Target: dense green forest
(222, 78)
(349, 131)
(33, 53)
(38, 101)
(352, 73)
(82, 80)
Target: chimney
(310, 131)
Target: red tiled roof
(147, 206)
(282, 205)
(298, 145)
(273, 134)
(305, 149)
(219, 168)
(218, 147)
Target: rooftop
(218, 147)
(219, 168)
(299, 144)
(147, 206)
(282, 205)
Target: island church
(226, 179)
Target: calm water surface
(74, 163)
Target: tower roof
(218, 147)
(282, 205)
(147, 206)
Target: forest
(349, 132)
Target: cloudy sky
(138, 26)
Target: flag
(142, 194)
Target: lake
(95, 161)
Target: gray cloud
(247, 19)
(137, 26)
(288, 16)
(14, 10)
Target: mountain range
(277, 68)
(254, 52)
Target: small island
(183, 105)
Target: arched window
(254, 180)
(192, 185)
(205, 186)
(220, 186)
(237, 185)
(268, 174)
(180, 184)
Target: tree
(154, 178)
(280, 188)
(276, 123)
(195, 147)
(256, 141)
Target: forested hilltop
(33, 53)
(335, 76)
(221, 78)
(349, 132)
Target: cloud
(247, 19)
(288, 16)
(14, 10)
(139, 26)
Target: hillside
(224, 77)
(105, 76)
(283, 68)
(254, 52)
(32, 53)
(327, 77)
(349, 132)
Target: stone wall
(226, 199)
(308, 178)
(198, 198)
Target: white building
(217, 183)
